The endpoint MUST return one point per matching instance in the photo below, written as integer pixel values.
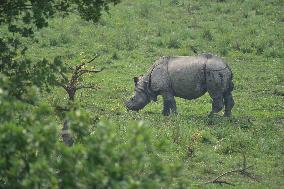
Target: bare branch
(251, 176)
(83, 71)
(242, 171)
(84, 63)
(216, 180)
(221, 182)
(91, 71)
(93, 59)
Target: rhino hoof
(166, 113)
(227, 114)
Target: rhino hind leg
(228, 100)
(169, 104)
(217, 103)
(219, 86)
(221, 99)
(229, 104)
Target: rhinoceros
(187, 77)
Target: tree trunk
(67, 139)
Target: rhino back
(187, 76)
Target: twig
(222, 182)
(93, 59)
(84, 63)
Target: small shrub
(173, 43)
(259, 46)
(236, 45)
(53, 42)
(208, 138)
(273, 53)
(246, 47)
(115, 56)
(224, 47)
(207, 35)
(64, 38)
(144, 10)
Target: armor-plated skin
(186, 77)
(191, 86)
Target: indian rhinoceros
(187, 77)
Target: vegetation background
(183, 150)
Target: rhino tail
(231, 83)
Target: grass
(248, 34)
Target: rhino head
(142, 95)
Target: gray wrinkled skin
(186, 77)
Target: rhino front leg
(169, 104)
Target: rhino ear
(136, 79)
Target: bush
(114, 162)
(207, 35)
(31, 156)
(144, 10)
(173, 42)
(27, 147)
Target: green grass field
(247, 34)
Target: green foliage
(120, 163)
(32, 157)
(26, 147)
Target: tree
(19, 19)
(71, 85)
